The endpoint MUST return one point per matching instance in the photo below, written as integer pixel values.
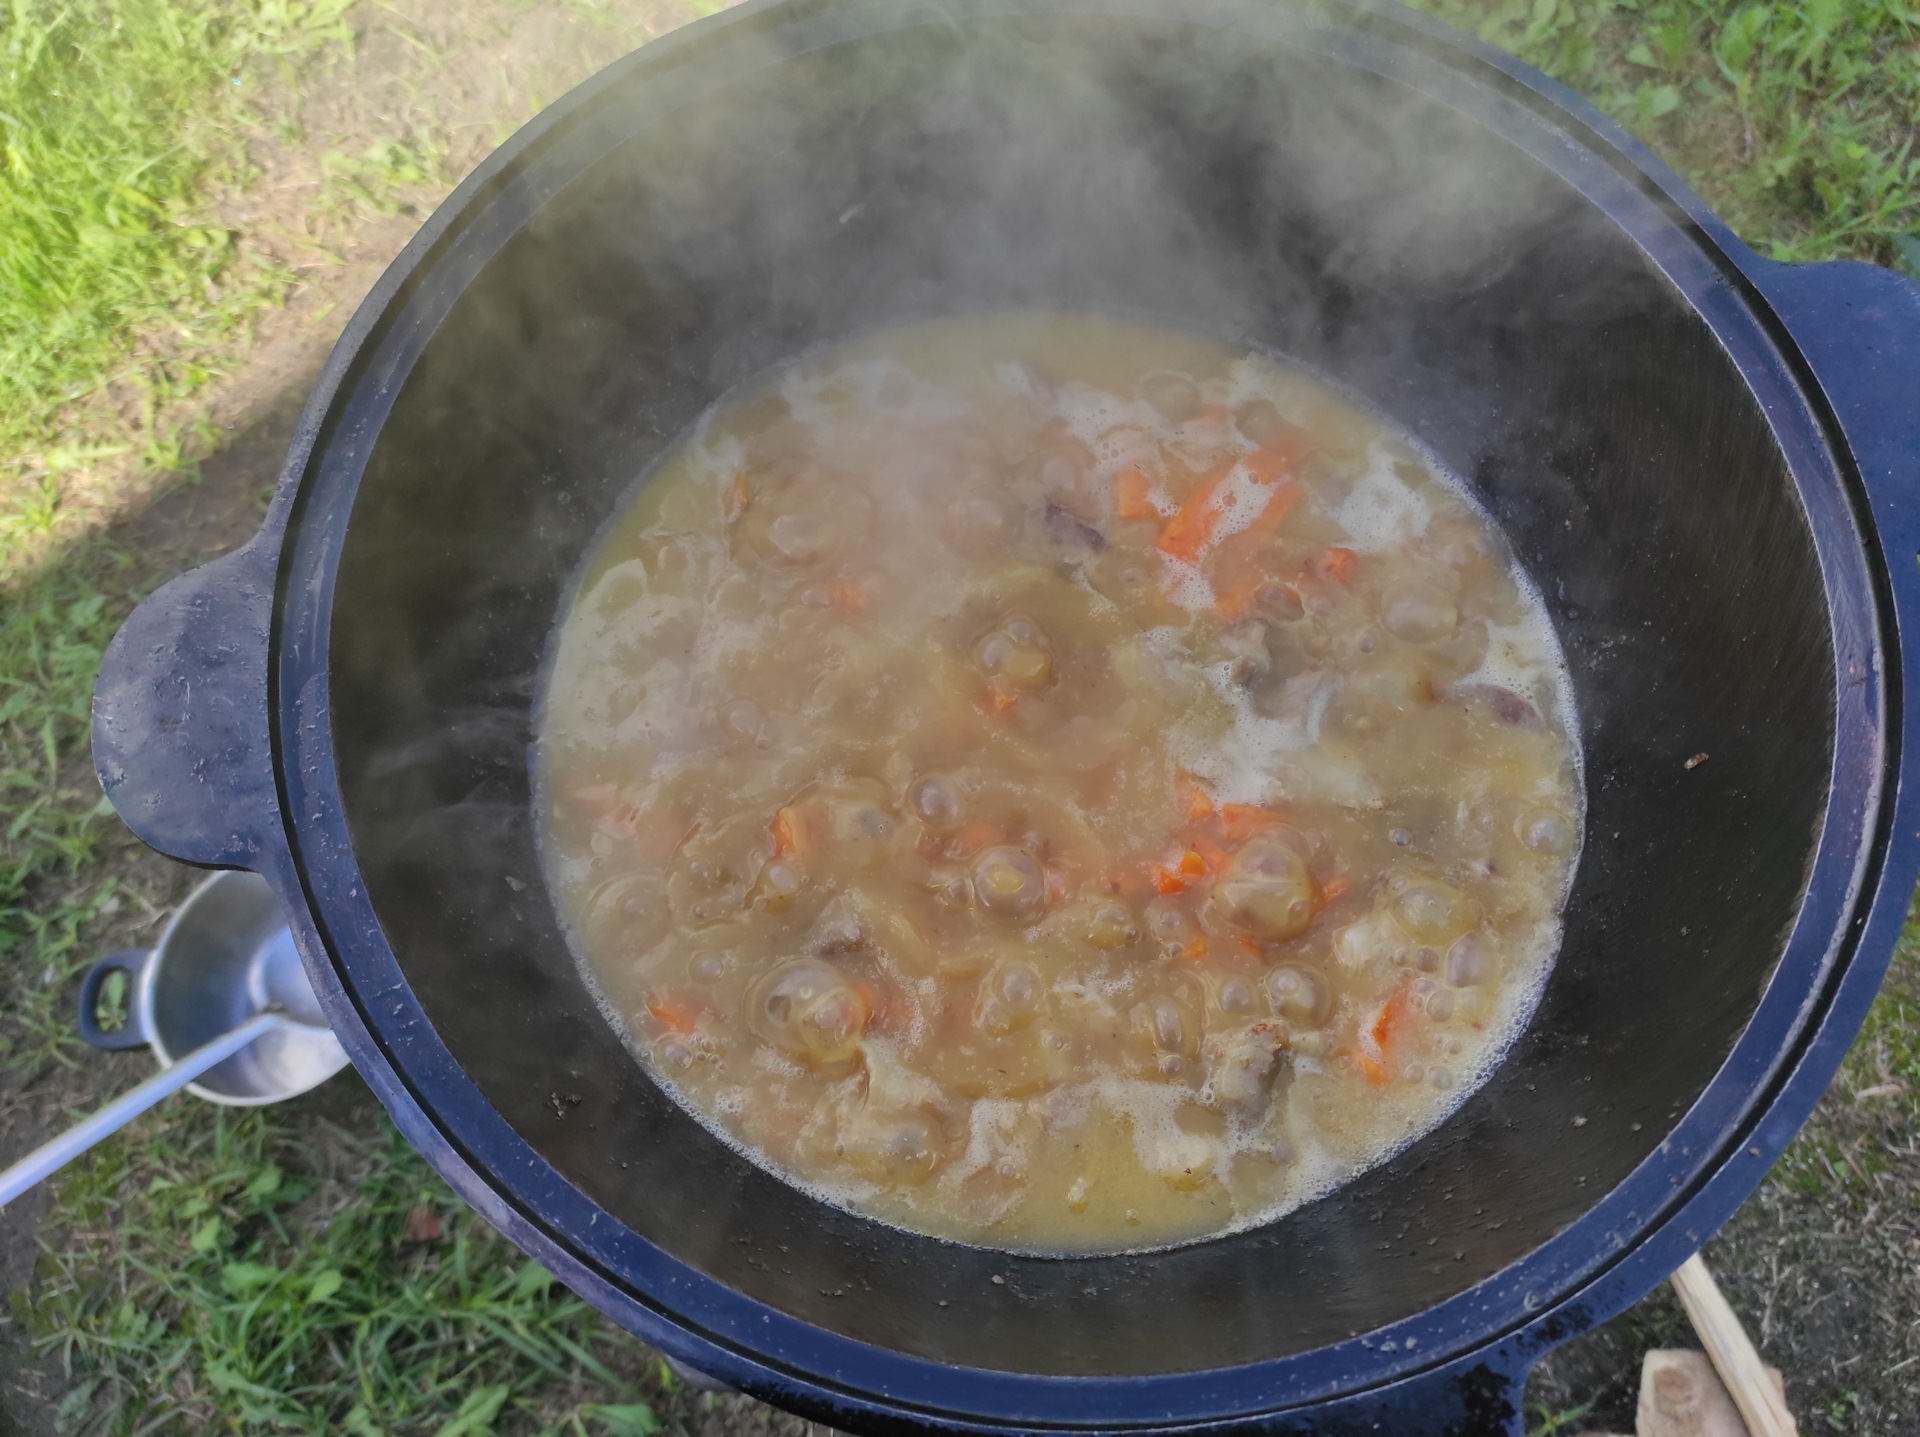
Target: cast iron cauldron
(1707, 461)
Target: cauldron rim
(1676, 1195)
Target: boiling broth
(1058, 784)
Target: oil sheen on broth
(1058, 785)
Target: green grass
(1542, 1422)
(53, 629)
(251, 1272)
(117, 118)
(234, 1271)
(116, 115)
(120, 300)
(1884, 1064)
(1797, 123)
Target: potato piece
(1429, 910)
(808, 1008)
(1267, 892)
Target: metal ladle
(223, 990)
(49, 1158)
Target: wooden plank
(1682, 1396)
(1759, 1398)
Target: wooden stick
(1732, 1355)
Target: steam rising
(966, 167)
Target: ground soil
(1831, 1293)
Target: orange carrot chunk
(1195, 801)
(1280, 457)
(1274, 512)
(1213, 854)
(789, 828)
(1390, 1022)
(1188, 531)
(1240, 821)
(1165, 880)
(739, 496)
(1242, 572)
(1192, 864)
(1131, 499)
(1239, 597)
(1338, 563)
(674, 1014)
(975, 835)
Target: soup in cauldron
(1058, 784)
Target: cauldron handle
(1858, 327)
(180, 720)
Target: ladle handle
(48, 1159)
(180, 733)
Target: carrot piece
(1165, 880)
(975, 835)
(789, 829)
(1197, 802)
(675, 1015)
(1240, 576)
(1215, 856)
(1192, 864)
(1195, 950)
(1000, 702)
(1338, 563)
(1271, 461)
(848, 595)
(1274, 512)
(1240, 821)
(1390, 1022)
(1333, 888)
(1373, 1071)
(1236, 601)
(1188, 531)
(739, 496)
(1131, 500)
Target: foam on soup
(1058, 784)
